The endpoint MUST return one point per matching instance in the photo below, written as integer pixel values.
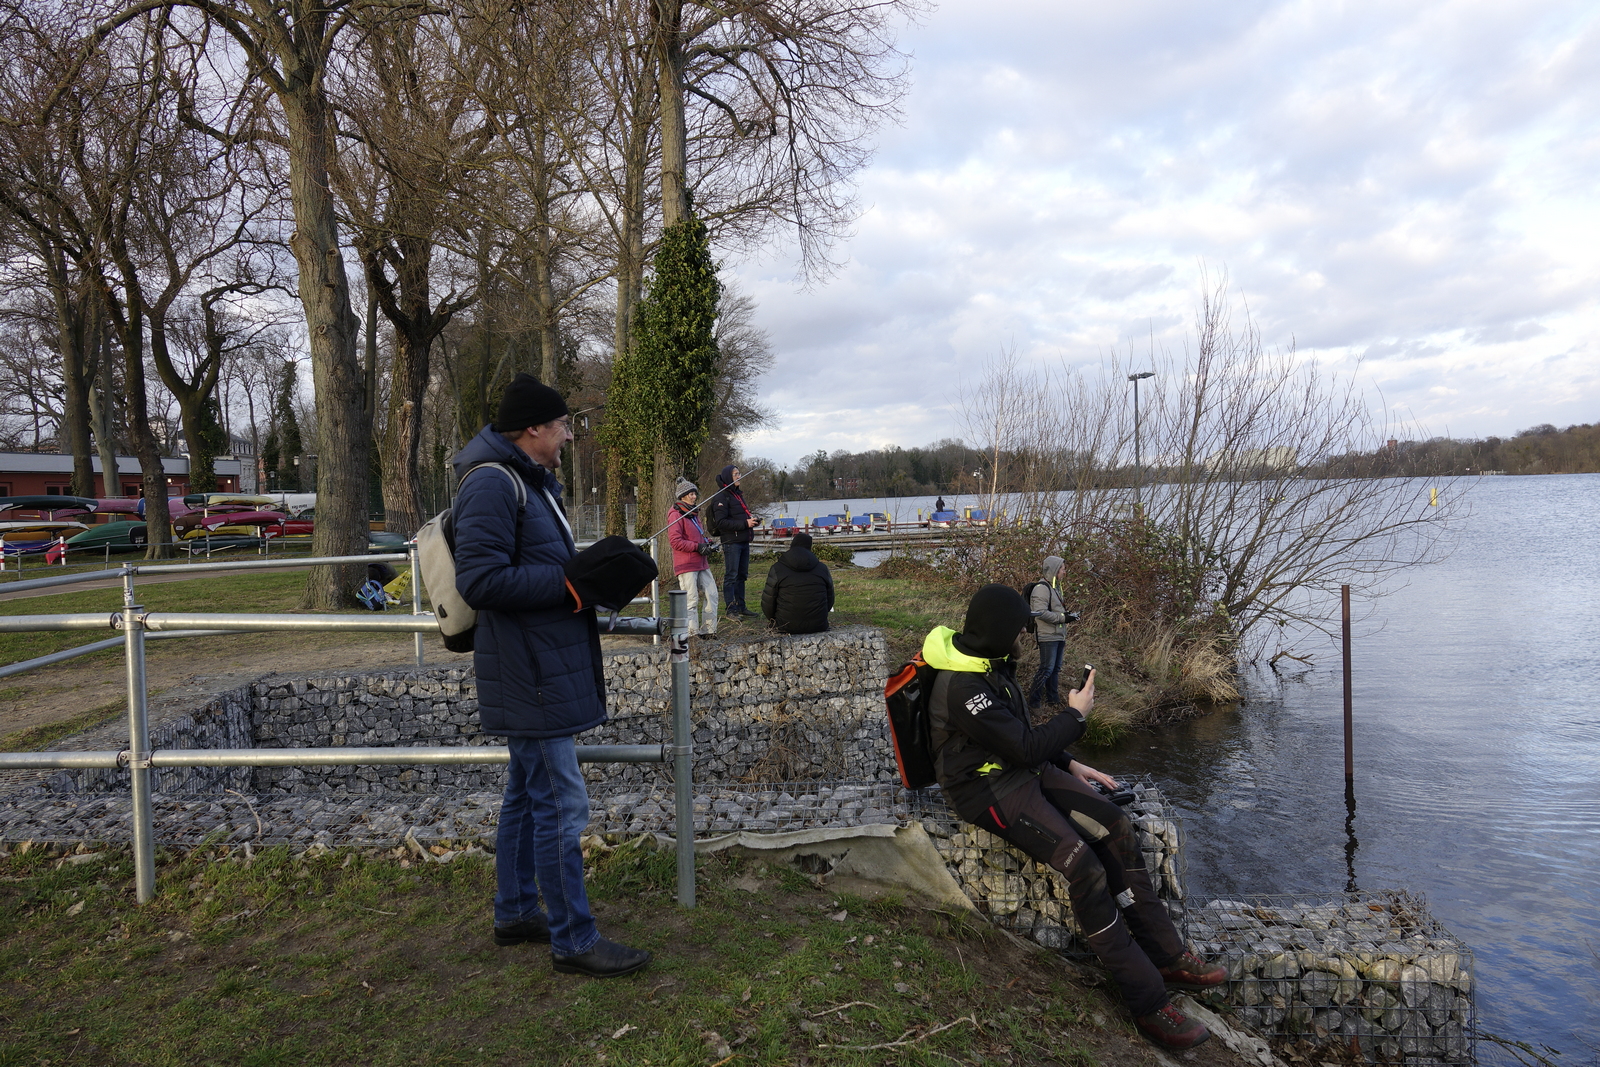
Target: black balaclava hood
(996, 614)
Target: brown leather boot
(1170, 1027)
(1192, 972)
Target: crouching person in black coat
(1018, 782)
(799, 591)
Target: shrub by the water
(1135, 585)
(833, 553)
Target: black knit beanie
(996, 614)
(801, 540)
(528, 402)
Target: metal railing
(138, 625)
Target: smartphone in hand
(1088, 669)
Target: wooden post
(1349, 729)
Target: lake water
(1477, 759)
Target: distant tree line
(945, 467)
(952, 467)
(1539, 449)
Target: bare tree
(1236, 500)
(287, 48)
(410, 147)
(37, 161)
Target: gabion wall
(1376, 975)
(1030, 898)
(777, 708)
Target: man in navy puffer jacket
(540, 676)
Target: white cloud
(1407, 183)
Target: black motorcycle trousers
(1065, 823)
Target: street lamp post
(1138, 460)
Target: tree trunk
(402, 491)
(665, 476)
(667, 16)
(101, 405)
(344, 427)
(157, 517)
(644, 513)
(630, 282)
(72, 340)
(544, 296)
(616, 507)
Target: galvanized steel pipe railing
(682, 745)
(447, 756)
(144, 834)
(138, 625)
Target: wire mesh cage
(1375, 975)
(1030, 898)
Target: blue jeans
(735, 572)
(542, 818)
(1048, 680)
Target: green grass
(362, 958)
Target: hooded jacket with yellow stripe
(984, 746)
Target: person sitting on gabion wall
(1018, 782)
(799, 591)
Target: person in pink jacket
(690, 547)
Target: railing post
(682, 745)
(416, 591)
(655, 605)
(144, 853)
(1349, 727)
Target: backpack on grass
(436, 555)
(906, 695)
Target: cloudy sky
(1406, 191)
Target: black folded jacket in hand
(609, 574)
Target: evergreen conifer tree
(659, 409)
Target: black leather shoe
(606, 959)
(519, 933)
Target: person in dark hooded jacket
(539, 675)
(1019, 782)
(731, 520)
(799, 590)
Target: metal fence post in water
(144, 849)
(1349, 727)
(682, 745)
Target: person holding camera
(690, 547)
(1050, 620)
(1019, 782)
(733, 522)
